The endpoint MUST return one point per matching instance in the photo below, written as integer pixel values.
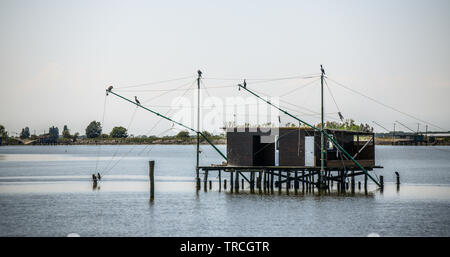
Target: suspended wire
(158, 96)
(117, 148)
(100, 145)
(299, 88)
(385, 105)
(170, 109)
(153, 83)
(334, 100)
(267, 79)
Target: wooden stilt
(224, 184)
(242, 183)
(259, 182)
(252, 182)
(220, 181)
(236, 182)
(205, 182)
(152, 179)
(353, 181)
(279, 181)
(303, 180)
(231, 180)
(296, 182)
(365, 184)
(265, 181)
(271, 181)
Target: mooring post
(152, 180)
(242, 182)
(210, 185)
(382, 182)
(224, 184)
(359, 185)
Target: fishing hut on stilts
(271, 159)
(306, 158)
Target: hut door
(309, 151)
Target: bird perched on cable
(199, 72)
(321, 68)
(137, 101)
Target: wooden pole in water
(288, 181)
(296, 182)
(259, 182)
(224, 184)
(242, 182)
(398, 178)
(236, 182)
(265, 181)
(382, 182)
(252, 182)
(353, 181)
(279, 181)
(271, 181)
(210, 185)
(220, 181)
(365, 184)
(205, 182)
(303, 180)
(152, 180)
(231, 181)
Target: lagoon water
(47, 191)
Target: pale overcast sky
(57, 58)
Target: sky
(58, 57)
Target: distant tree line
(93, 131)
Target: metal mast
(322, 142)
(198, 129)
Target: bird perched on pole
(340, 116)
(109, 89)
(137, 101)
(244, 85)
(321, 68)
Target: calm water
(46, 191)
